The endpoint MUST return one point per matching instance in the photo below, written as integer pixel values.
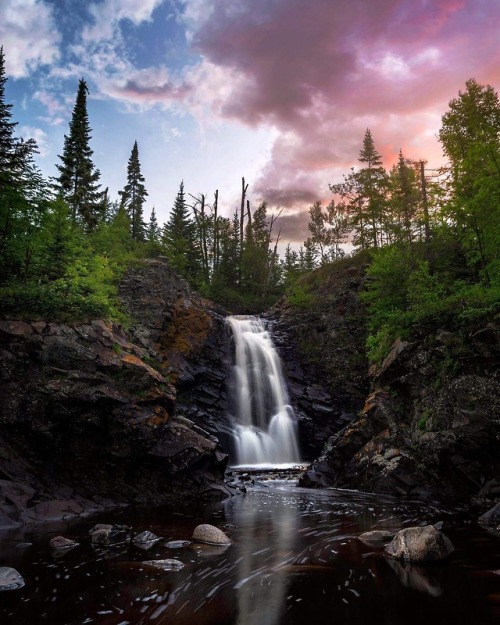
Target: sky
(278, 91)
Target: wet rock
(108, 535)
(491, 517)
(210, 535)
(145, 538)
(177, 544)
(170, 564)
(376, 538)
(60, 542)
(420, 545)
(10, 579)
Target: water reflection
(295, 559)
(269, 537)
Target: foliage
(78, 180)
(134, 196)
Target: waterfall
(264, 421)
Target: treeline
(433, 237)
(64, 243)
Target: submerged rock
(145, 538)
(177, 544)
(170, 564)
(210, 535)
(10, 579)
(60, 542)
(376, 538)
(107, 535)
(420, 544)
(492, 517)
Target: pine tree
(179, 239)
(134, 195)
(78, 180)
(153, 231)
(373, 181)
(7, 139)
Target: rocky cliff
(322, 344)
(429, 423)
(92, 415)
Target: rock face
(322, 345)
(430, 426)
(420, 545)
(92, 415)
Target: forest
(430, 238)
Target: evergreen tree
(400, 221)
(372, 179)
(153, 231)
(180, 241)
(7, 139)
(134, 195)
(78, 180)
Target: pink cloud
(322, 72)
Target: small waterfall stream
(264, 421)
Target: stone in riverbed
(210, 535)
(106, 535)
(10, 579)
(420, 544)
(169, 564)
(492, 517)
(145, 538)
(177, 544)
(376, 538)
(60, 542)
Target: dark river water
(295, 558)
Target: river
(295, 558)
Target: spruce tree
(153, 231)
(372, 179)
(7, 139)
(179, 239)
(134, 195)
(78, 180)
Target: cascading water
(265, 424)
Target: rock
(210, 535)
(492, 517)
(376, 538)
(145, 538)
(169, 564)
(420, 545)
(177, 544)
(10, 579)
(60, 542)
(108, 535)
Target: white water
(265, 424)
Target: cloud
(107, 15)
(320, 73)
(39, 135)
(29, 36)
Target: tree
(78, 180)
(400, 222)
(7, 139)
(328, 230)
(470, 135)
(373, 182)
(134, 195)
(179, 239)
(153, 231)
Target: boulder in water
(10, 579)
(60, 542)
(145, 538)
(210, 535)
(376, 538)
(169, 564)
(420, 544)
